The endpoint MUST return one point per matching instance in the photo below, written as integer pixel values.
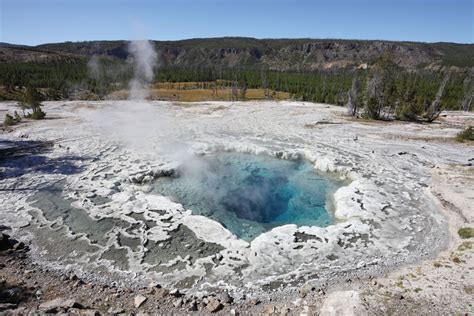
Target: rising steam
(144, 59)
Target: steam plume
(144, 59)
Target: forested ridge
(397, 74)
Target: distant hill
(275, 54)
(21, 54)
(316, 70)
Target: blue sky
(44, 21)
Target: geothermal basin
(244, 196)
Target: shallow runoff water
(251, 194)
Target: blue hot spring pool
(251, 194)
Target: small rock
(87, 312)
(284, 311)
(269, 309)
(178, 303)
(149, 291)
(5, 242)
(4, 237)
(139, 300)
(305, 289)
(374, 282)
(193, 306)
(58, 303)
(343, 303)
(19, 245)
(161, 292)
(214, 305)
(234, 312)
(225, 298)
(154, 285)
(7, 306)
(115, 310)
(175, 293)
(78, 283)
(254, 301)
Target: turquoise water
(251, 194)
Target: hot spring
(251, 194)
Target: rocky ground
(435, 287)
(439, 285)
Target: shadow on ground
(18, 158)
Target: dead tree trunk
(435, 108)
(468, 94)
(353, 98)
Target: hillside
(305, 69)
(20, 54)
(274, 54)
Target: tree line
(380, 92)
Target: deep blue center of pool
(251, 194)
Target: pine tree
(32, 100)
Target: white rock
(343, 303)
(139, 300)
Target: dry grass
(190, 85)
(165, 91)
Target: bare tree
(243, 90)
(353, 98)
(234, 91)
(263, 77)
(214, 89)
(468, 93)
(435, 108)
